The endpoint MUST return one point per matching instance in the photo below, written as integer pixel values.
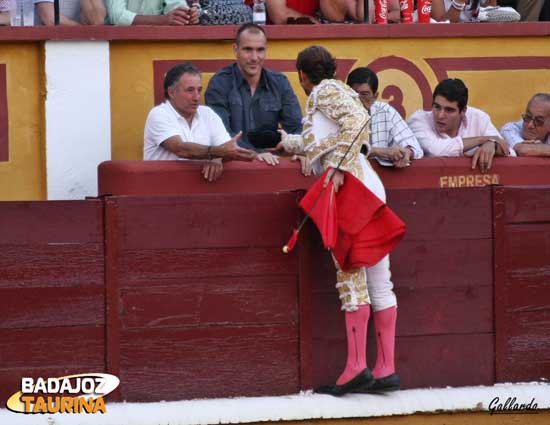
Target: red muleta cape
(354, 223)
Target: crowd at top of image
(248, 107)
(222, 12)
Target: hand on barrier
(502, 145)
(484, 156)
(178, 16)
(194, 12)
(406, 158)
(212, 170)
(304, 162)
(268, 158)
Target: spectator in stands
(530, 10)
(92, 12)
(342, 10)
(392, 141)
(249, 97)
(292, 11)
(452, 128)
(5, 12)
(152, 12)
(530, 136)
(459, 10)
(181, 128)
(545, 13)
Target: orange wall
(401, 64)
(502, 73)
(23, 176)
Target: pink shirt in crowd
(475, 123)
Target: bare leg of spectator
(4, 18)
(334, 10)
(339, 10)
(530, 9)
(92, 12)
(5, 7)
(46, 13)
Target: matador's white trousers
(371, 285)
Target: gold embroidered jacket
(334, 117)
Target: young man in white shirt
(452, 128)
(182, 128)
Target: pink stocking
(356, 332)
(384, 323)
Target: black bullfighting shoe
(363, 380)
(381, 385)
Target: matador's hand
(337, 178)
(304, 162)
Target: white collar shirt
(164, 122)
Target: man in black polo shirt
(251, 98)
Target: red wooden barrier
(444, 283)
(155, 178)
(190, 296)
(522, 283)
(51, 290)
(202, 302)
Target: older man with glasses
(530, 136)
(392, 141)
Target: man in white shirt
(530, 136)
(392, 143)
(76, 12)
(181, 128)
(452, 128)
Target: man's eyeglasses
(537, 121)
(366, 95)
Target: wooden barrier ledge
(155, 178)
(274, 32)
